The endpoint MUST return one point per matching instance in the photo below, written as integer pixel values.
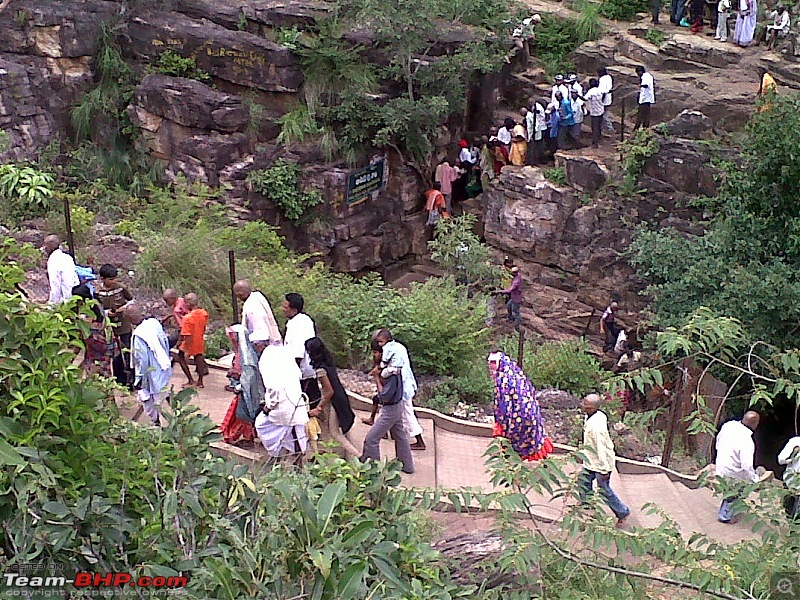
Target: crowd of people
(740, 16)
(287, 393)
(557, 122)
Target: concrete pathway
(455, 461)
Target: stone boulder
(238, 57)
(684, 166)
(690, 124)
(584, 172)
(63, 29)
(192, 104)
(703, 50)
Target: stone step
(406, 280)
(428, 269)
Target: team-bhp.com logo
(93, 580)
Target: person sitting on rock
(781, 22)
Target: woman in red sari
(237, 426)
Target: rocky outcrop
(684, 166)
(45, 62)
(194, 129)
(583, 172)
(571, 255)
(238, 57)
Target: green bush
(254, 239)
(82, 221)
(461, 253)
(217, 344)
(556, 39)
(565, 365)
(655, 37)
(27, 192)
(556, 174)
(280, 184)
(442, 329)
(623, 10)
(473, 385)
(588, 25)
(171, 63)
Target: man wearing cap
(514, 293)
(559, 86)
(572, 81)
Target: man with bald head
(735, 453)
(60, 271)
(179, 311)
(150, 359)
(599, 460)
(257, 316)
(193, 341)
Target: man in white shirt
(572, 81)
(396, 355)
(594, 104)
(735, 452)
(257, 316)
(538, 108)
(504, 133)
(60, 271)
(578, 113)
(790, 456)
(780, 26)
(299, 329)
(598, 458)
(647, 97)
(606, 85)
(559, 86)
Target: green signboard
(366, 181)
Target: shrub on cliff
(747, 263)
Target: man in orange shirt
(193, 341)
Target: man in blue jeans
(599, 461)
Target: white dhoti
(280, 439)
(151, 403)
(410, 421)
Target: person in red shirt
(193, 342)
(435, 204)
(179, 311)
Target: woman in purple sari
(516, 411)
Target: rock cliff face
(571, 241)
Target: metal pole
(521, 348)
(68, 224)
(622, 124)
(234, 299)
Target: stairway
(418, 273)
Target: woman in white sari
(745, 23)
(281, 426)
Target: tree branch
(567, 555)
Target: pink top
(447, 176)
(179, 311)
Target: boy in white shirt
(723, 11)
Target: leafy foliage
(27, 192)
(746, 264)
(588, 22)
(565, 365)
(82, 221)
(280, 183)
(637, 149)
(556, 174)
(171, 63)
(402, 91)
(623, 10)
(556, 39)
(460, 252)
(655, 36)
(76, 496)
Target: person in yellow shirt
(599, 461)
